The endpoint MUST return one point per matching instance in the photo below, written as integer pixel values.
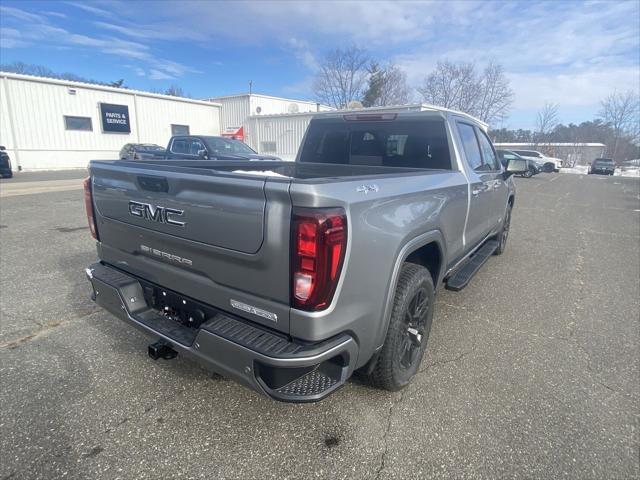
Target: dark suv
(141, 151)
(5, 163)
(602, 166)
(206, 147)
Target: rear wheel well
(430, 257)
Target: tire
(408, 331)
(528, 173)
(503, 236)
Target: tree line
(617, 125)
(351, 77)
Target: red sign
(237, 133)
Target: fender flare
(432, 236)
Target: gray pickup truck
(289, 276)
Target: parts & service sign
(115, 118)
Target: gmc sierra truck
(289, 276)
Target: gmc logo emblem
(155, 213)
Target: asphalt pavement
(532, 371)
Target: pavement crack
(385, 437)
(44, 328)
(448, 360)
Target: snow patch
(581, 169)
(627, 172)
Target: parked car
(549, 164)
(288, 276)
(203, 147)
(533, 168)
(5, 163)
(602, 166)
(141, 151)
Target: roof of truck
(409, 108)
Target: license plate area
(175, 307)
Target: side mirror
(515, 167)
(203, 154)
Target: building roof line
(105, 88)
(238, 95)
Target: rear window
(407, 144)
(604, 161)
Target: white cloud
(572, 89)
(158, 75)
(54, 14)
(92, 8)
(36, 29)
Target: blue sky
(570, 53)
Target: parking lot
(532, 371)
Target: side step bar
(465, 273)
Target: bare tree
(621, 112)
(342, 76)
(546, 121)
(459, 86)
(174, 91)
(495, 95)
(387, 86)
(451, 86)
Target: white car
(547, 163)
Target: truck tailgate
(216, 211)
(222, 239)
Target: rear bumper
(252, 355)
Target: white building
(237, 109)
(281, 135)
(55, 124)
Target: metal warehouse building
(56, 124)
(237, 110)
(282, 134)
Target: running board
(464, 274)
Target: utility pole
(250, 86)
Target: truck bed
(276, 169)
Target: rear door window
(489, 159)
(406, 144)
(470, 145)
(195, 146)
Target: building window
(268, 147)
(179, 130)
(78, 123)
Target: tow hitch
(161, 350)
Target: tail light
(318, 248)
(88, 205)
